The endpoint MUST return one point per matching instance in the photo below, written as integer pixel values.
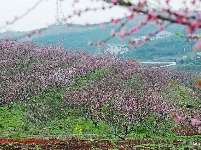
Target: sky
(45, 13)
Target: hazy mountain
(76, 37)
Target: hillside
(28, 70)
(49, 92)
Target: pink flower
(122, 34)
(189, 30)
(177, 118)
(161, 27)
(114, 1)
(131, 17)
(199, 129)
(195, 122)
(132, 30)
(181, 20)
(151, 16)
(197, 46)
(141, 4)
(193, 2)
(139, 43)
(195, 24)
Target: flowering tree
(158, 12)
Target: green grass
(182, 96)
(96, 75)
(14, 125)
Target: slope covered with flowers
(115, 91)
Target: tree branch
(163, 16)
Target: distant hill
(76, 37)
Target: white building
(143, 37)
(163, 34)
(115, 49)
(185, 57)
(198, 53)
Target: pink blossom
(114, 1)
(139, 43)
(132, 30)
(182, 20)
(131, 17)
(121, 34)
(177, 118)
(141, 4)
(112, 20)
(199, 129)
(193, 2)
(116, 21)
(195, 24)
(151, 16)
(197, 46)
(199, 14)
(195, 122)
(161, 27)
(189, 30)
